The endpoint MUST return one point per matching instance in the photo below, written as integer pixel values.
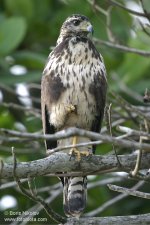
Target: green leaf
(12, 32)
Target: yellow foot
(70, 108)
(78, 153)
(75, 151)
(85, 153)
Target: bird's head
(77, 24)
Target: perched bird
(73, 93)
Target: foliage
(28, 31)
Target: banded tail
(74, 195)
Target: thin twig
(97, 7)
(127, 9)
(138, 161)
(133, 132)
(113, 201)
(122, 47)
(129, 191)
(144, 29)
(110, 131)
(78, 132)
(34, 111)
(147, 14)
(56, 217)
(130, 108)
(61, 148)
(32, 190)
(124, 88)
(37, 207)
(11, 184)
(22, 151)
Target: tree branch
(112, 220)
(112, 2)
(122, 47)
(29, 110)
(133, 132)
(33, 196)
(112, 201)
(129, 191)
(72, 131)
(61, 162)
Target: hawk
(73, 93)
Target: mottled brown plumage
(73, 93)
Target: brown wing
(51, 89)
(98, 89)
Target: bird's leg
(76, 151)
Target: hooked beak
(90, 29)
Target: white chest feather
(76, 67)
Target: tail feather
(74, 195)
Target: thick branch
(61, 162)
(112, 220)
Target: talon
(78, 153)
(85, 153)
(75, 151)
(70, 108)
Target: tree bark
(112, 220)
(61, 162)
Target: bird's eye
(76, 22)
